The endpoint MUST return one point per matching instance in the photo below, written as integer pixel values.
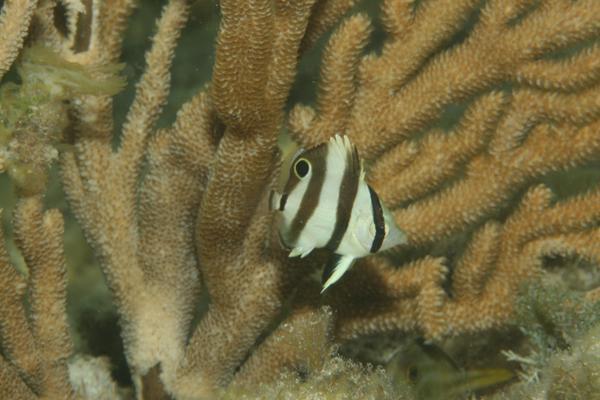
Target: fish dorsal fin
(336, 267)
(346, 152)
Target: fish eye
(412, 373)
(301, 168)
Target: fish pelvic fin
(277, 201)
(335, 268)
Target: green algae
(34, 114)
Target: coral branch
(397, 16)
(338, 84)
(15, 337)
(114, 15)
(438, 157)
(325, 14)
(463, 108)
(297, 345)
(152, 89)
(35, 341)
(491, 54)
(14, 24)
(39, 236)
(576, 73)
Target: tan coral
(486, 278)
(388, 106)
(172, 211)
(443, 183)
(233, 226)
(300, 344)
(325, 14)
(102, 187)
(197, 169)
(35, 342)
(490, 55)
(15, 18)
(337, 88)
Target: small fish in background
(325, 202)
(433, 375)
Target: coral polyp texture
(463, 111)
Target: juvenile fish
(431, 374)
(326, 203)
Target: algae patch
(34, 115)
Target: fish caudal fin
(336, 267)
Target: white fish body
(326, 202)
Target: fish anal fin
(277, 201)
(300, 251)
(335, 268)
(295, 252)
(306, 252)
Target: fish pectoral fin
(335, 268)
(300, 251)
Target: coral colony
(180, 213)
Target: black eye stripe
(310, 198)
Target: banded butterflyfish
(325, 202)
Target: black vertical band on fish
(310, 199)
(378, 221)
(346, 197)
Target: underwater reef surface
(139, 142)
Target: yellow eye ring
(301, 167)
